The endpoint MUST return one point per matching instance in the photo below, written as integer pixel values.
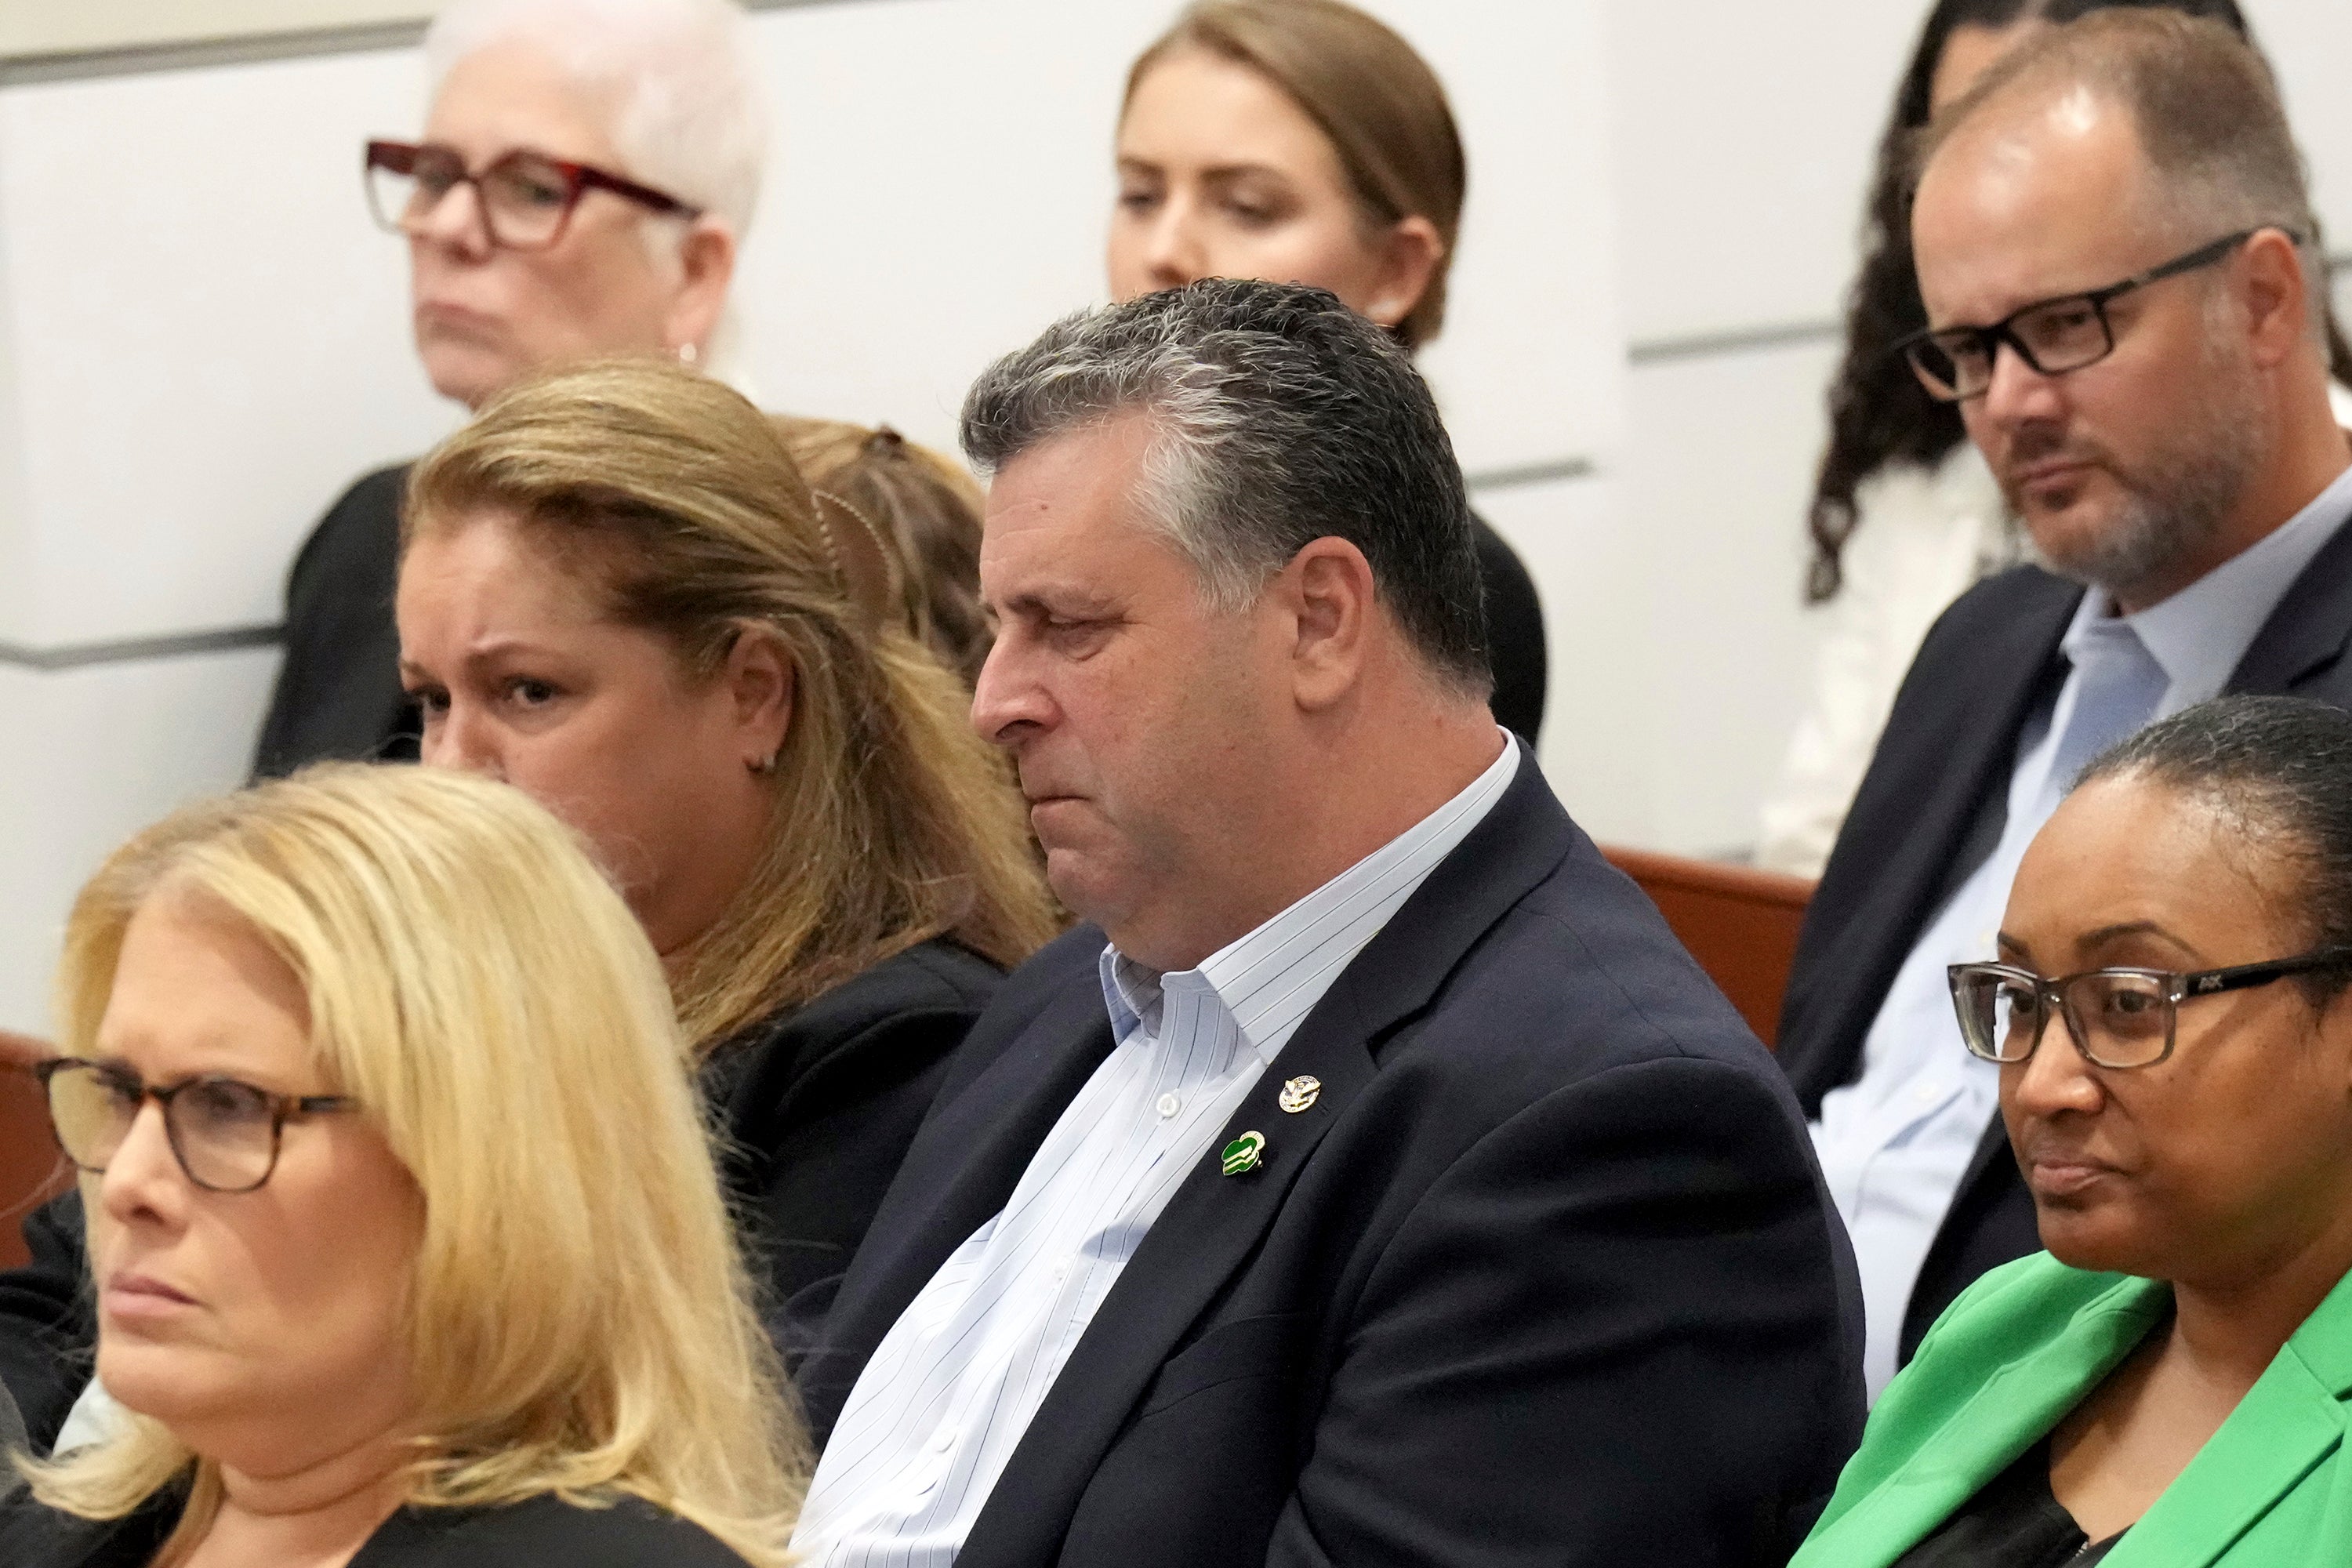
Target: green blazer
(2022, 1347)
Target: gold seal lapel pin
(1299, 1093)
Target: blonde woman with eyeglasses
(405, 1235)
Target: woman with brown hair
(617, 592)
(927, 505)
(1303, 142)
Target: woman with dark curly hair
(1904, 515)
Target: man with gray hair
(1373, 1179)
(2124, 299)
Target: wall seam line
(134, 650)
(293, 44)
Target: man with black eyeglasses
(2125, 299)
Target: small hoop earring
(687, 353)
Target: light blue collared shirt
(954, 1385)
(1896, 1142)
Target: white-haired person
(586, 173)
(405, 1231)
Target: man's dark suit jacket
(1546, 1274)
(817, 1105)
(337, 694)
(1930, 810)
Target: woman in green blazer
(2169, 1385)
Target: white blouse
(1922, 538)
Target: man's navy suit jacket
(1929, 812)
(1546, 1275)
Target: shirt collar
(1135, 995)
(2198, 634)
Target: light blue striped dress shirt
(955, 1383)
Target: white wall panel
(92, 756)
(1722, 460)
(2310, 44)
(944, 185)
(1744, 136)
(210, 333)
(1573, 537)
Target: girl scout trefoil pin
(1244, 1154)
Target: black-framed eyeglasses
(2117, 1017)
(526, 198)
(225, 1133)
(2053, 336)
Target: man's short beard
(2176, 505)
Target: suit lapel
(960, 1171)
(2289, 1422)
(1920, 811)
(2309, 629)
(2014, 1405)
(1215, 1222)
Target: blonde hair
(676, 500)
(928, 505)
(578, 1320)
(1377, 101)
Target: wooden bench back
(1738, 922)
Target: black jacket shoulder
(817, 1106)
(338, 693)
(630, 1533)
(1515, 633)
(47, 1323)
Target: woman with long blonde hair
(404, 1228)
(617, 592)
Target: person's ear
(2276, 297)
(1411, 252)
(705, 269)
(759, 682)
(1327, 595)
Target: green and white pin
(1244, 1154)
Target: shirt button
(1927, 1093)
(1061, 1272)
(942, 1440)
(1168, 1106)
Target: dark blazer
(339, 696)
(1546, 1274)
(1932, 808)
(338, 692)
(12, 1425)
(1515, 634)
(48, 1324)
(543, 1530)
(817, 1106)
